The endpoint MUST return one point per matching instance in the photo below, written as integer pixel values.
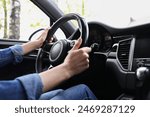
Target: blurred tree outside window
(20, 18)
(14, 22)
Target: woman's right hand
(76, 62)
(77, 59)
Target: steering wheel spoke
(45, 52)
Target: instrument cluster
(100, 36)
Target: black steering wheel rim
(83, 30)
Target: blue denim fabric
(24, 87)
(78, 92)
(11, 90)
(49, 95)
(18, 52)
(12, 54)
(30, 86)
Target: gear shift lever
(142, 75)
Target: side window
(20, 18)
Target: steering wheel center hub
(58, 52)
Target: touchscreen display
(142, 48)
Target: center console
(141, 56)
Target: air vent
(123, 53)
(114, 48)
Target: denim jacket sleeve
(24, 87)
(11, 54)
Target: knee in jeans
(60, 90)
(83, 86)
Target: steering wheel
(59, 49)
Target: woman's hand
(35, 44)
(40, 40)
(77, 59)
(76, 62)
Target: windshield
(116, 13)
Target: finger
(86, 49)
(84, 64)
(46, 30)
(44, 34)
(51, 39)
(84, 57)
(77, 44)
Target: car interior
(119, 61)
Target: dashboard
(100, 36)
(127, 50)
(141, 53)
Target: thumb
(77, 44)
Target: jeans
(79, 92)
(30, 86)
